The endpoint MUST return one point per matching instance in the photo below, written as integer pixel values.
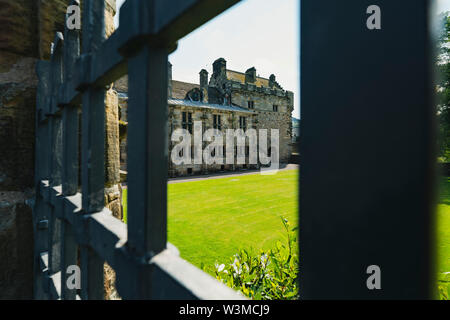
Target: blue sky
(254, 33)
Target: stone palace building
(226, 100)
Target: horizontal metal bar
(105, 233)
(45, 190)
(72, 207)
(107, 65)
(55, 286)
(175, 278)
(168, 275)
(164, 22)
(70, 93)
(43, 264)
(56, 199)
(43, 261)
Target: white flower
(263, 260)
(235, 267)
(221, 267)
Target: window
(275, 108)
(187, 121)
(243, 123)
(217, 122)
(251, 104)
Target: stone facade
(231, 95)
(28, 29)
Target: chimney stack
(169, 77)
(250, 75)
(219, 67)
(272, 80)
(204, 85)
(203, 78)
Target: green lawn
(443, 226)
(209, 220)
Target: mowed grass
(443, 226)
(209, 220)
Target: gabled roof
(240, 77)
(180, 89)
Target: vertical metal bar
(93, 118)
(69, 256)
(93, 148)
(368, 151)
(70, 116)
(69, 247)
(55, 155)
(91, 275)
(40, 214)
(93, 131)
(55, 119)
(147, 150)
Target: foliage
(268, 275)
(443, 87)
(444, 286)
(443, 239)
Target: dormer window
(275, 108)
(251, 104)
(194, 95)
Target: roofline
(197, 104)
(195, 84)
(244, 74)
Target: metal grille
(68, 221)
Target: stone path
(221, 175)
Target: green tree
(443, 86)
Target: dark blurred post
(367, 150)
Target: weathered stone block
(16, 247)
(112, 141)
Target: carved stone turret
(250, 75)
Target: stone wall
(113, 190)
(261, 119)
(230, 120)
(269, 119)
(28, 29)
